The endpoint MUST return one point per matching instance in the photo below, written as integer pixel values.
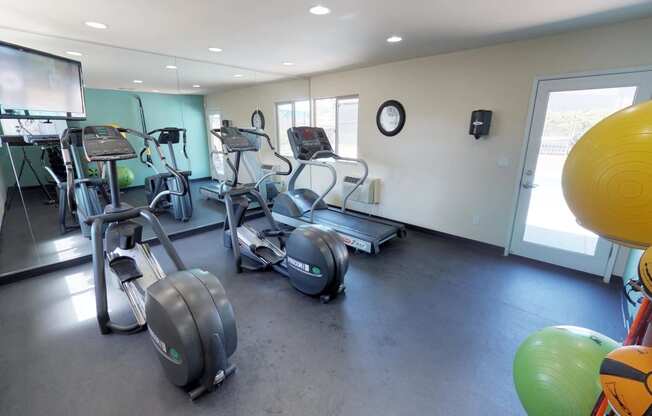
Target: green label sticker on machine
(174, 354)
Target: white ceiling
(260, 35)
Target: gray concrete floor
(428, 327)
(19, 251)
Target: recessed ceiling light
(170, 66)
(394, 39)
(73, 53)
(238, 76)
(320, 10)
(96, 25)
(215, 49)
(196, 86)
(288, 63)
(138, 81)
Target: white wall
(434, 174)
(239, 104)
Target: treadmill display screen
(306, 141)
(235, 141)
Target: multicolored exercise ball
(556, 370)
(607, 178)
(626, 378)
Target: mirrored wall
(141, 91)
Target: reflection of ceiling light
(394, 39)
(96, 25)
(288, 63)
(73, 53)
(320, 10)
(156, 91)
(238, 76)
(138, 81)
(170, 66)
(196, 86)
(215, 49)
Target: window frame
(292, 103)
(335, 141)
(214, 144)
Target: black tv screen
(36, 84)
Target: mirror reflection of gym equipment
(293, 210)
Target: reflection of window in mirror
(217, 159)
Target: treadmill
(297, 207)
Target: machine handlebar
(128, 214)
(217, 132)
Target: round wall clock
(390, 118)
(258, 120)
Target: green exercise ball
(125, 176)
(556, 370)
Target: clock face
(258, 120)
(390, 118)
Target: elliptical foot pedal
(125, 268)
(267, 254)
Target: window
(339, 118)
(215, 120)
(290, 114)
(217, 160)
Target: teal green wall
(161, 110)
(120, 107)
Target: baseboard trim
(429, 231)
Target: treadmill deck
(366, 234)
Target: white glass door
(564, 109)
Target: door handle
(529, 185)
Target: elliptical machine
(179, 205)
(314, 258)
(188, 316)
(89, 193)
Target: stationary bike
(188, 316)
(314, 258)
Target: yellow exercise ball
(645, 271)
(117, 126)
(607, 178)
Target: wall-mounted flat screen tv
(38, 85)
